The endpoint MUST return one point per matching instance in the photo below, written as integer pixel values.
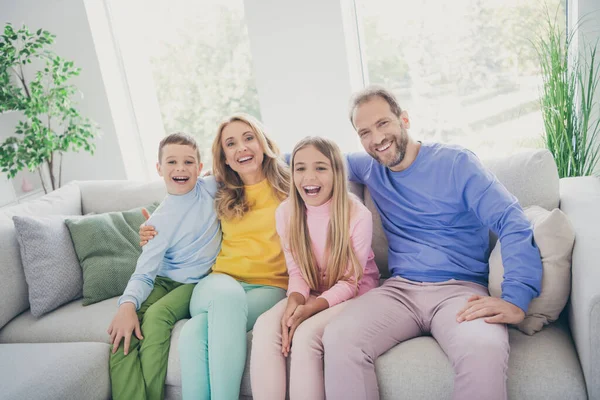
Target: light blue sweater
(187, 245)
(436, 215)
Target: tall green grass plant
(571, 115)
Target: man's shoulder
(447, 157)
(359, 157)
(444, 150)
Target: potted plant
(51, 125)
(571, 116)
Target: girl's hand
(294, 300)
(301, 314)
(147, 232)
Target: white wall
(587, 12)
(67, 19)
(305, 68)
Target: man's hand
(493, 309)
(122, 326)
(294, 300)
(146, 232)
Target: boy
(167, 270)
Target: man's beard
(400, 143)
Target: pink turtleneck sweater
(361, 231)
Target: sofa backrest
(104, 196)
(531, 176)
(14, 295)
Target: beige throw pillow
(554, 236)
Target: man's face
(382, 134)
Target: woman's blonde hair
(231, 201)
(339, 253)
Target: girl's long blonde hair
(231, 201)
(339, 253)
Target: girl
(326, 237)
(249, 275)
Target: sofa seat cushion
(58, 371)
(70, 323)
(543, 366)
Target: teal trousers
(212, 345)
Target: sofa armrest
(580, 200)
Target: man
(437, 203)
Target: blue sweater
(187, 246)
(437, 213)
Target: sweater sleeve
(141, 283)
(296, 280)
(361, 235)
(358, 165)
(495, 207)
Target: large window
(465, 70)
(199, 57)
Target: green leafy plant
(571, 116)
(51, 125)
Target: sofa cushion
(106, 196)
(531, 176)
(419, 369)
(543, 366)
(554, 237)
(56, 371)
(70, 323)
(13, 287)
(107, 246)
(49, 261)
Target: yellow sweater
(251, 250)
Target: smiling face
(179, 167)
(243, 151)
(381, 132)
(313, 176)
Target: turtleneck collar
(323, 209)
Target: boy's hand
(122, 325)
(146, 232)
(294, 300)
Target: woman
(249, 275)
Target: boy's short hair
(178, 138)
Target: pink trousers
(268, 372)
(400, 310)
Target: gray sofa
(64, 354)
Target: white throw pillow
(554, 236)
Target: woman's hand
(295, 299)
(147, 232)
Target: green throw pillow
(107, 246)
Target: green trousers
(141, 373)
(212, 345)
